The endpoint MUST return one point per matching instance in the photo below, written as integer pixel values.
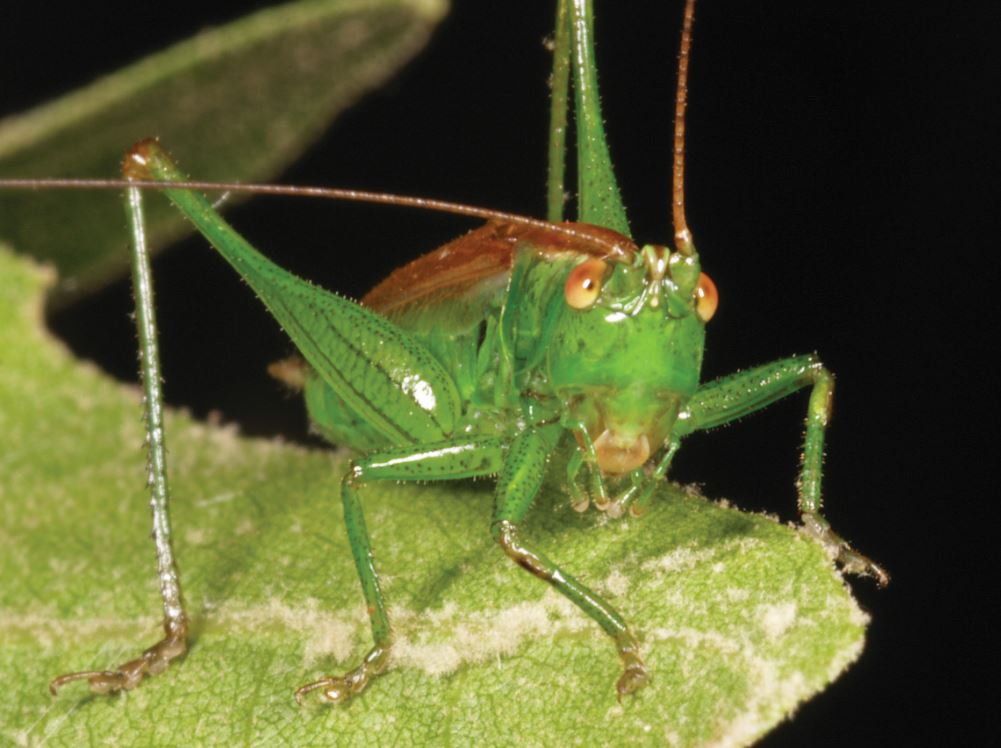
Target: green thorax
(495, 310)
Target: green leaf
(740, 618)
(239, 102)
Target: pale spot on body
(420, 390)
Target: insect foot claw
(633, 678)
(853, 562)
(850, 560)
(634, 674)
(339, 690)
(333, 690)
(153, 661)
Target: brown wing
(482, 257)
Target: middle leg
(520, 480)
(447, 460)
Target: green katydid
(485, 356)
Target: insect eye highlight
(584, 283)
(706, 298)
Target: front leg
(585, 455)
(637, 497)
(729, 398)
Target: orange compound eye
(584, 283)
(706, 298)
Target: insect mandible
(543, 359)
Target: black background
(843, 196)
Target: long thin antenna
(326, 193)
(682, 236)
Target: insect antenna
(682, 236)
(326, 193)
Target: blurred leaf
(740, 617)
(239, 102)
